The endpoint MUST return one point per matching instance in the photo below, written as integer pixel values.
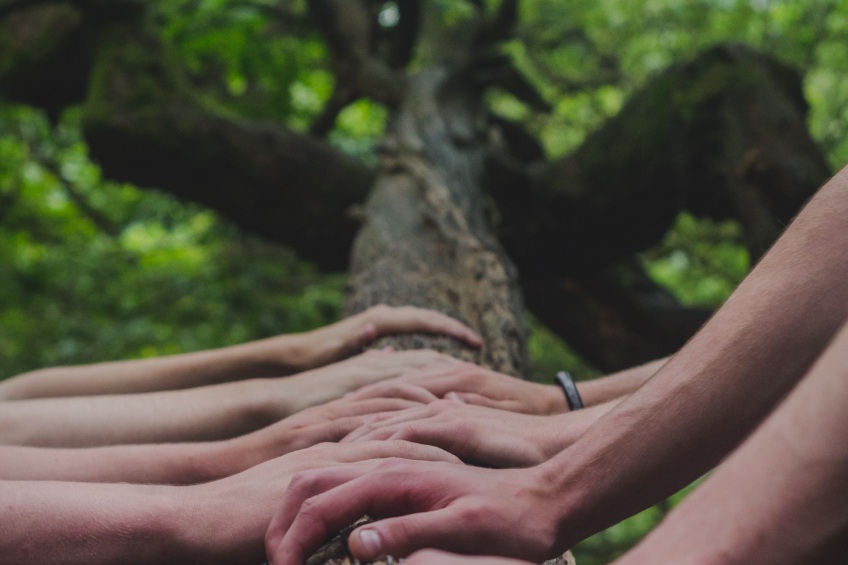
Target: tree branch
(723, 136)
(144, 125)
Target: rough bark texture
(426, 239)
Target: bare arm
(710, 395)
(618, 385)
(196, 462)
(695, 410)
(271, 357)
(221, 522)
(786, 486)
(198, 414)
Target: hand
(328, 422)
(475, 385)
(434, 557)
(475, 434)
(346, 337)
(511, 512)
(228, 517)
(333, 381)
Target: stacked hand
(348, 336)
(475, 434)
(475, 385)
(511, 512)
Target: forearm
(786, 486)
(274, 356)
(618, 385)
(197, 414)
(715, 390)
(561, 431)
(200, 414)
(167, 464)
(87, 524)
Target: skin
(785, 488)
(435, 557)
(220, 522)
(271, 357)
(196, 462)
(476, 385)
(690, 414)
(198, 414)
(483, 436)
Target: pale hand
(510, 512)
(475, 385)
(349, 336)
(476, 434)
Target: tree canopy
(190, 173)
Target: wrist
(559, 431)
(570, 493)
(210, 528)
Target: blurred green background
(93, 270)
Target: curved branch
(723, 136)
(143, 125)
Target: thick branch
(144, 126)
(723, 136)
(616, 317)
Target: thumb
(401, 536)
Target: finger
(478, 400)
(408, 319)
(362, 451)
(401, 536)
(450, 438)
(366, 433)
(429, 371)
(302, 487)
(395, 389)
(368, 427)
(392, 420)
(311, 519)
(389, 405)
(436, 557)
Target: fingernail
(371, 542)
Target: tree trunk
(426, 239)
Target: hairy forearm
(274, 356)
(89, 524)
(717, 388)
(172, 463)
(786, 486)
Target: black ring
(572, 395)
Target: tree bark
(426, 238)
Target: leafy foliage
(93, 270)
